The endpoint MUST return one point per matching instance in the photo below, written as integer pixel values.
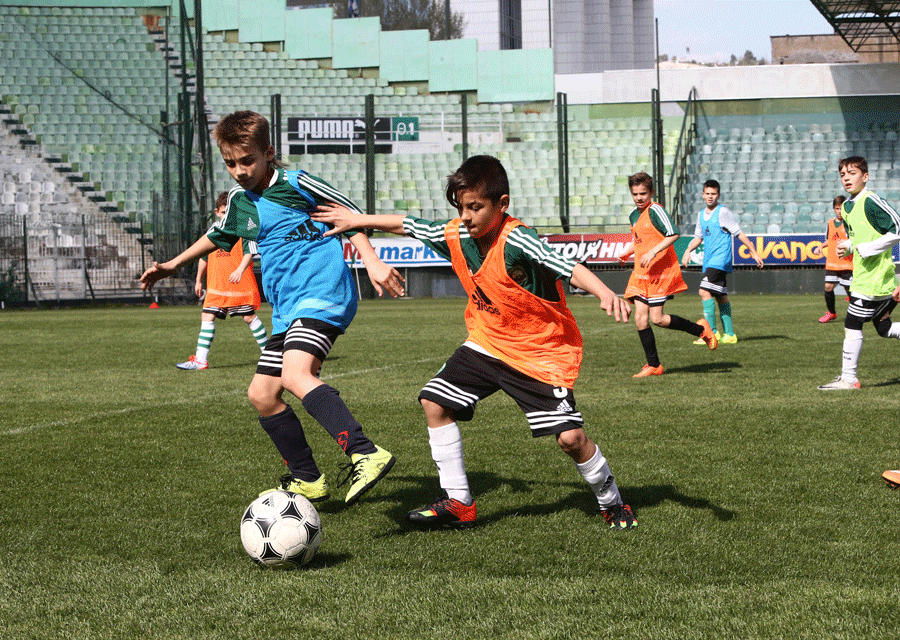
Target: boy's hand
(385, 277)
(615, 306)
(647, 258)
(198, 289)
(844, 248)
(336, 215)
(896, 294)
(686, 259)
(235, 276)
(155, 273)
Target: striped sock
(204, 340)
(258, 329)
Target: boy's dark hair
(712, 184)
(854, 161)
(221, 200)
(641, 178)
(243, 129)
(484, 174)
(838, 200)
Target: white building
(587, 36)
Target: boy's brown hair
(838, 200)
(854, 161)
(243, 129)
(484, 174)
(221, 200)
(641, 178)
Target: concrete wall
(733, 83)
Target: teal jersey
(304, 274)
(529, 262)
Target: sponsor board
(397, 252)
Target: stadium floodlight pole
(370, 154)
(446, 19)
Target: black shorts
(715, 281)
(305, 334)
(861, 311)
(222, 312)
(843, 278)
(653, 302)
(469, 376)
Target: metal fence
(75, 258)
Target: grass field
(761, 509)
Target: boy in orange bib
(522, 338)
(230, 291)
(657, 275)
(838, 270)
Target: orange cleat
(649, 371)
(708, 336)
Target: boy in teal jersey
(715, 227)
(522, 339)
(312, 295)
(873, 228)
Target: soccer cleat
(364, 470)
(892, 478)
(839, 384)
(828, 317)
(728, 339)
(315, 491)
(702, 341)
(708, 336)
(444, 511)
(619, 517)
(192, 364)
(649, 371)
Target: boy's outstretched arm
(382, 275)
(609, 301)
(747, 243)
(158, 271)
(686, 258)
(343, 219)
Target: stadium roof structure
(865, 26)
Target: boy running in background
(838, 270)
(656, 276)
(312, 295)
(715, 227)
(522, 337)
(230, 291)
(873, 228)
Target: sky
(713, 30)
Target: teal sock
(727, 324)
(709, 312)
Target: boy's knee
(572, 441)
(261, 400)
(435, 412)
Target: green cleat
(728, 338)
(315, 491)
(364, 470)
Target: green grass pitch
(762, 512)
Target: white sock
(894, 331)
(853, 342)
(598, 476)
(204, 340)
(447, 453)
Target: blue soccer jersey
(716, 232)
(303, 272)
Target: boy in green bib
(873, 228)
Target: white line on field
(192, 401)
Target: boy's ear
(270, 153)
(504, 202)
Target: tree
(398, 15)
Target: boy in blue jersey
(715, 227)
(312, 295)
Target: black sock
(286, 433)
(829, 301)
(325, 405)
(648, 341)
(680, 324)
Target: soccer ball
(281, 529)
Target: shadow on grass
(772, 337)
(707, 367)
(421, 490)
(886, 383)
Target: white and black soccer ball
(281, 529)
